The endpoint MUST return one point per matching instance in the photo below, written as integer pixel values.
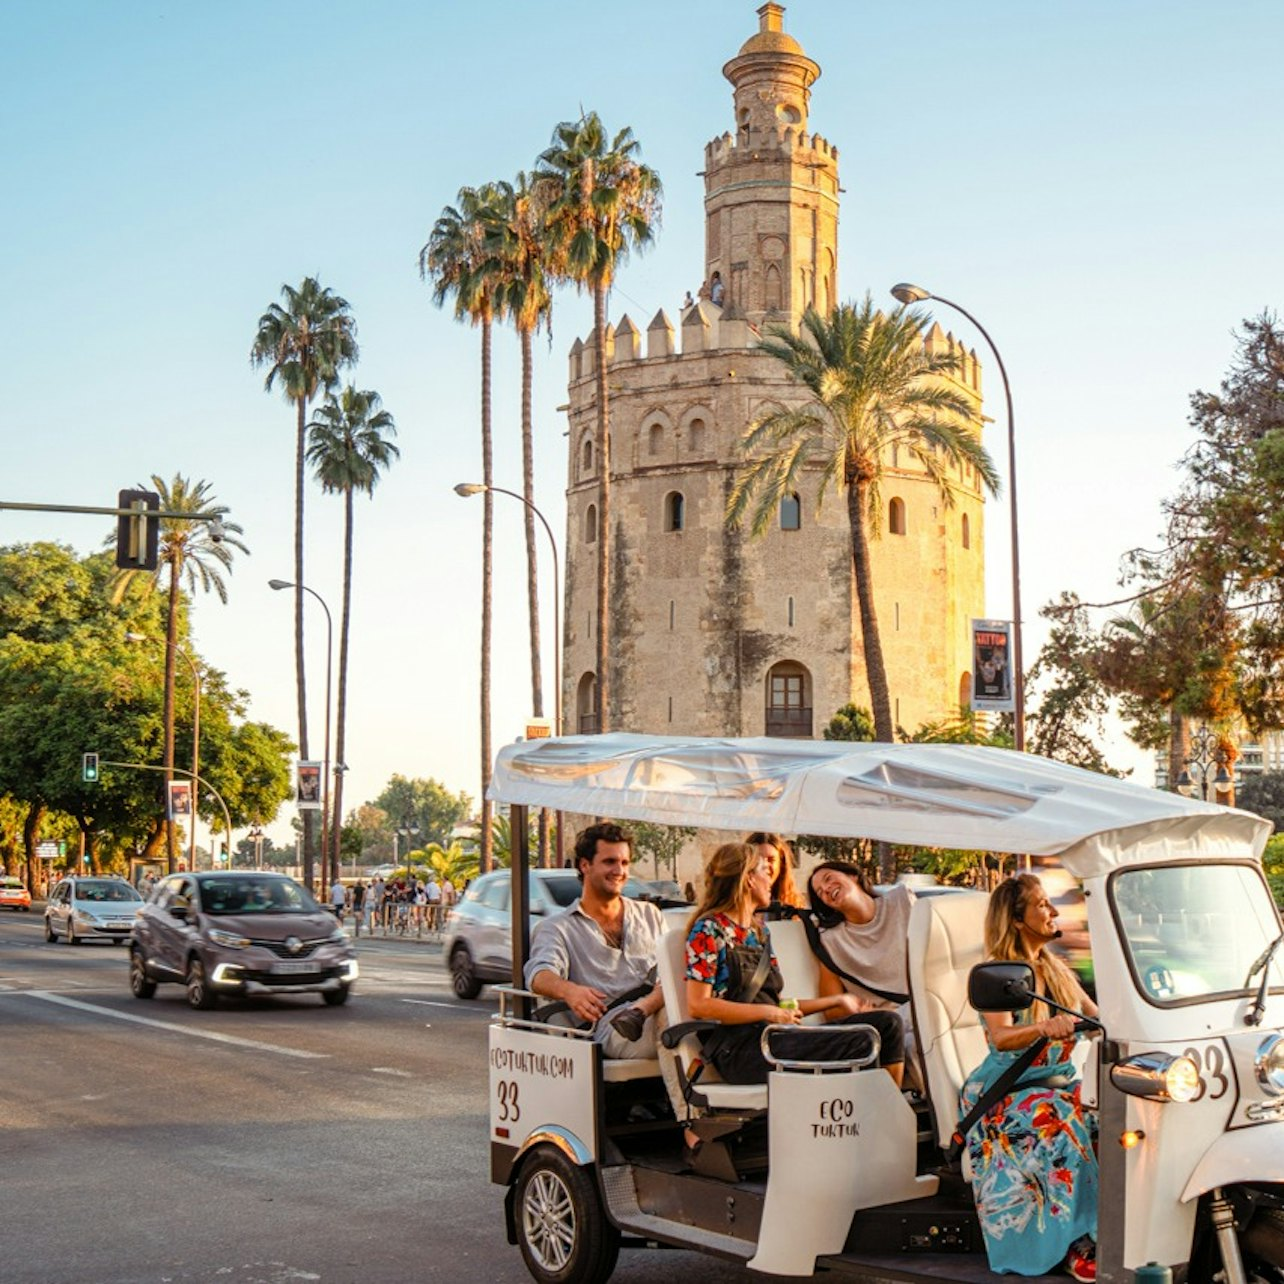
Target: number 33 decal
(1210, 1070)
(509, 1110)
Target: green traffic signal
(89, 768)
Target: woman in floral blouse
(725, 982)
(1033, 1155)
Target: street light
(466, 489)
(408, 832)
(256, 837)
(1208, 756)
(906, 293)
(325, 771)
(196, 732)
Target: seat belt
(819, 949)
(992, 1096)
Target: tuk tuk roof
(961, 796)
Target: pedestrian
(358, 905)
(338, 899)
(374, 902)
(433, 893)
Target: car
(91, 907)
(478, 945)
(14, 894)
(238, 933)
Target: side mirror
(1001, 987)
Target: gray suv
(239, 933)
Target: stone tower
(715, 632)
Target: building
(715, 632)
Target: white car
(83, 908)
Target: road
(264, 1142)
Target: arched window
(654, 439)
(586, 704)
(791, 513)
(967, 531)
(789, 700)
(896, 517)
(773, 293)
(586, 457)
(695, 436)
(674, 511)
(590, 524)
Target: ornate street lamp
(1208, 757)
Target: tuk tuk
(831, 1168)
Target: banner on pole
(308, 788)
(992, 666)
(180, 800)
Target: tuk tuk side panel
(838, 1143)
(540, 1082)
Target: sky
(1097, 182)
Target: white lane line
(177, 1029)
(454, 1007)
(400, 1074)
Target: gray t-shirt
(571, 945)
(875, 951)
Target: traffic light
(89, 768)
(138, 538)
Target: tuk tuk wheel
(562, 1228)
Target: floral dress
(1034, 1161)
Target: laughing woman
(1033, 1154)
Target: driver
(602, 946)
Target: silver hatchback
(85, 908)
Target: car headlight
(1269, 1064)
(1157, 1075)
(230, 939)
(84, 916)
(339, 936)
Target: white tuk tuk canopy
(962, 796)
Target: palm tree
(348, 448)
(457, 261)
(305, 342)
(874, 386)
(605, 202)
(188, 552)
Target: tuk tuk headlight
(1157, 1075)
(1269, 1064)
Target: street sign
(538, 729)
(47, 849)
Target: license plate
(295, 967)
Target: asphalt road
(263, 1142)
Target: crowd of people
(403, 906)
(1032, 1150)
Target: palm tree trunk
(603, 513)
(309, 822)
(486, 861)
(171, 657)
(532, 565)
(342, 713)
(871, 643)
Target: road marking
(453, 1007)
(177, 1029)
(401, 1074)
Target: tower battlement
(750, 143)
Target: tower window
(674, 511)
(586, 457)
(590, 524)
(896, 517)
(586, 704)
(791, 513)
(789, 700)
(790, 612)
(654, 439)
(967, 532)
(673, 613)
(695, 436)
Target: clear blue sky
(1098, 182)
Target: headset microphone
(1056, 933)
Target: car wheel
(199, 993)
(562, 1228)
(140, 984)
(72, 938)
(50, 934)
(336, 998)
(462, 975)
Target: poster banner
(308, 789)
(992, 666)
(180, 800)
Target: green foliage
(305, 341)
(966, 727)
(663, 843)
(348, 444)
(426, 803)
(850, 723)
(1264, 794)
(452, 862)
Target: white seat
(946, 939)
(625, 1070)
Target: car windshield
(564, 889)
(254, 894)
(105, 889)
(10, 882)
(1194, 931)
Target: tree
(663, 843)
(426, 803)
(349, 449)
(874, 386)
(1263, 794)
(188, 553)
(850, 723)
(605, 203)
(305, 341)
(457, 261)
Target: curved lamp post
(467, 489)
(906, 293)
(196, 735)
(1209, 761)
(325, 771)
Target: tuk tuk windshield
(1194, 931)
